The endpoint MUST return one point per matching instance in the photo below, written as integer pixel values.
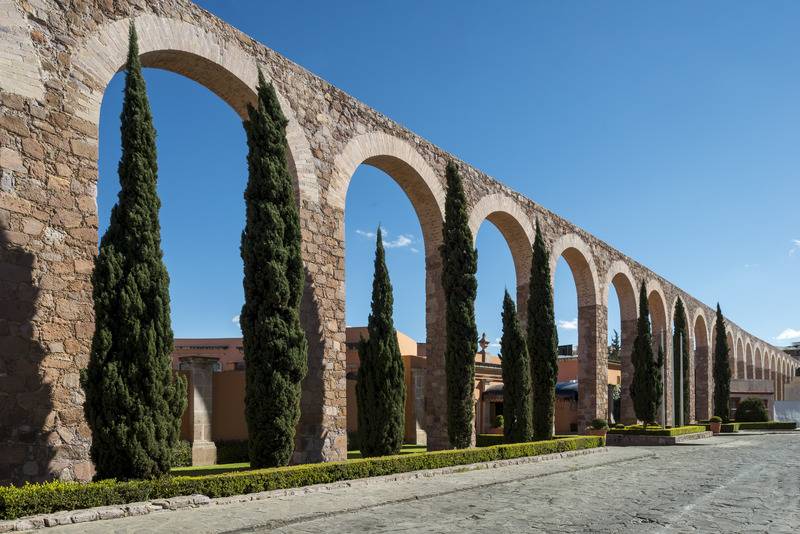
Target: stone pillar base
(204, 453)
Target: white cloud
(401, 241)
(235, 319)
(568, 325)
(750, 265)
(789, 333)
(496, 343)
(795, 246)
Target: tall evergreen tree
(646, 387)
(515, 362)
(722, 370)
(680, 337)
(381, 388)
(459, 265)
(275, 346)
(133, 402)
(542, 341)
(615, 348)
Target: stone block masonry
(56, 60)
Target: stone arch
(748, 366)
(397, 158)
(702, 366)
(196, 53)
(620, 276)
(740, 360)
(411, 172)
(758, 362)
(510, 219)
(592, 324)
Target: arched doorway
(661, 339)
(620, 286)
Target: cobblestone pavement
(747, 483)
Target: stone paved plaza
(744, 483)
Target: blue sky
(669, 130)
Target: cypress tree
(133, 401)
(459, 265)
(516, 377)
(275, 347)
(722, 370)
(381, 388)
(542, 341)
(646, 387)
(680, 388)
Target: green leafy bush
(752, 409)
(499, 421)
(639, 430)
(232, 452)
(716, 419)
(768, 425)
(16, 501)
(182, 454)
(599, 424)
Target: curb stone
(197, 500)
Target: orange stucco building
(225, 356)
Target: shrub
(16, 501)
(619, 425)
(232, 452)
(752, 409)
(499, 421)
(182, 454)
(768, 425)
(599, 424)
(639, 430)
(715, 419)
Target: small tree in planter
(716, 424)
(499, 421)
(598, 427)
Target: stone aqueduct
(55, 63)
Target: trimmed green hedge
(768, 425)
(638, 430)
(50, 497)
(488, 440)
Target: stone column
(628, 334)
(436, 375)
(592, 364)
(200, 372)
(703, 389)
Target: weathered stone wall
(56, 59)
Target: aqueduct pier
(55, 63)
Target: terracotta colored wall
(566, 415)
(228, 422)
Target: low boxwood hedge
(639, 430)
(767, 425)
(726, 428)
(49, 497)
